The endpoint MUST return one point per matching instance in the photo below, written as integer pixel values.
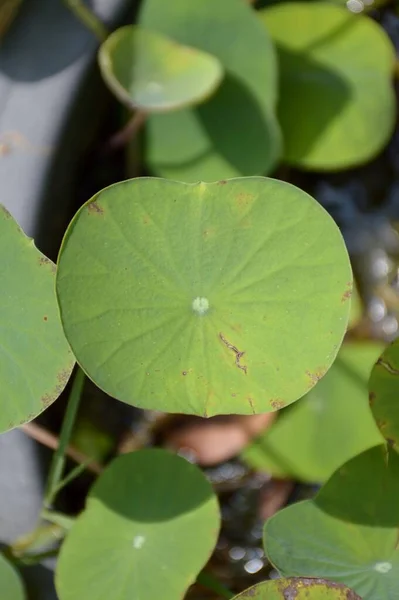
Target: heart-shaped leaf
(234, 133)
(337, 103)
(149, 71)
(150, 525)
(298, 588)
(310, 440)
(384, 394)
(10, 582)
(229, 297)
(349, 532)
(35, 359)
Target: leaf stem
(130, 130)
(48, 439)
(88, 18)
(59, 456)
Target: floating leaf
(348, 533)
(332, 423)
(35, 359)
(384, 394)
(297, 588)
(236, 131)
(150, 525)
(10, 582)
(337, 103)
(148, 71)
(228, 297)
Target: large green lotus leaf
(297, 588)
(11, 587)
(337, 103)
(228, 297)
(151, 72)
(349, 532)
(35, 359)
(150, 524)
(236, 132)
(384, 394)
(332, 423)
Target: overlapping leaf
(150, 72)
(150, 525)
(234, 133)
(337, 103)
(35, 359)
(330, 425)
(349, 532)
(299, 588)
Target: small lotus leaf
(384, 394)
(35, 359)
(151, 72)
(228, 297)
(337, 103)
(150, 524)
(10, 582)
(235, 132)
(330, 425)
(298, 588)
(349, 532)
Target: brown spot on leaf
(251, 404)
(95, 208)
(277, 404)
(371, 398)
(184, 373)
(222, 182)
(315, 376)
(44, 318)
(209, 232)
(347, 293)
(243, 199)
(7, 214)
(290, 588)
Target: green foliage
(330, 425)
(229, 297)
(337, 103)
(216, 298)
(35, 359)
(358, 547)
(384, 394)
(148, 71)
(150, 524)
(298, 588)
(349, 532)
(10, 582)
(234, 133)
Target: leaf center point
(200, 305)
(382, 567)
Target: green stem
(58, 460)
(88, 18)
(211, 583)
